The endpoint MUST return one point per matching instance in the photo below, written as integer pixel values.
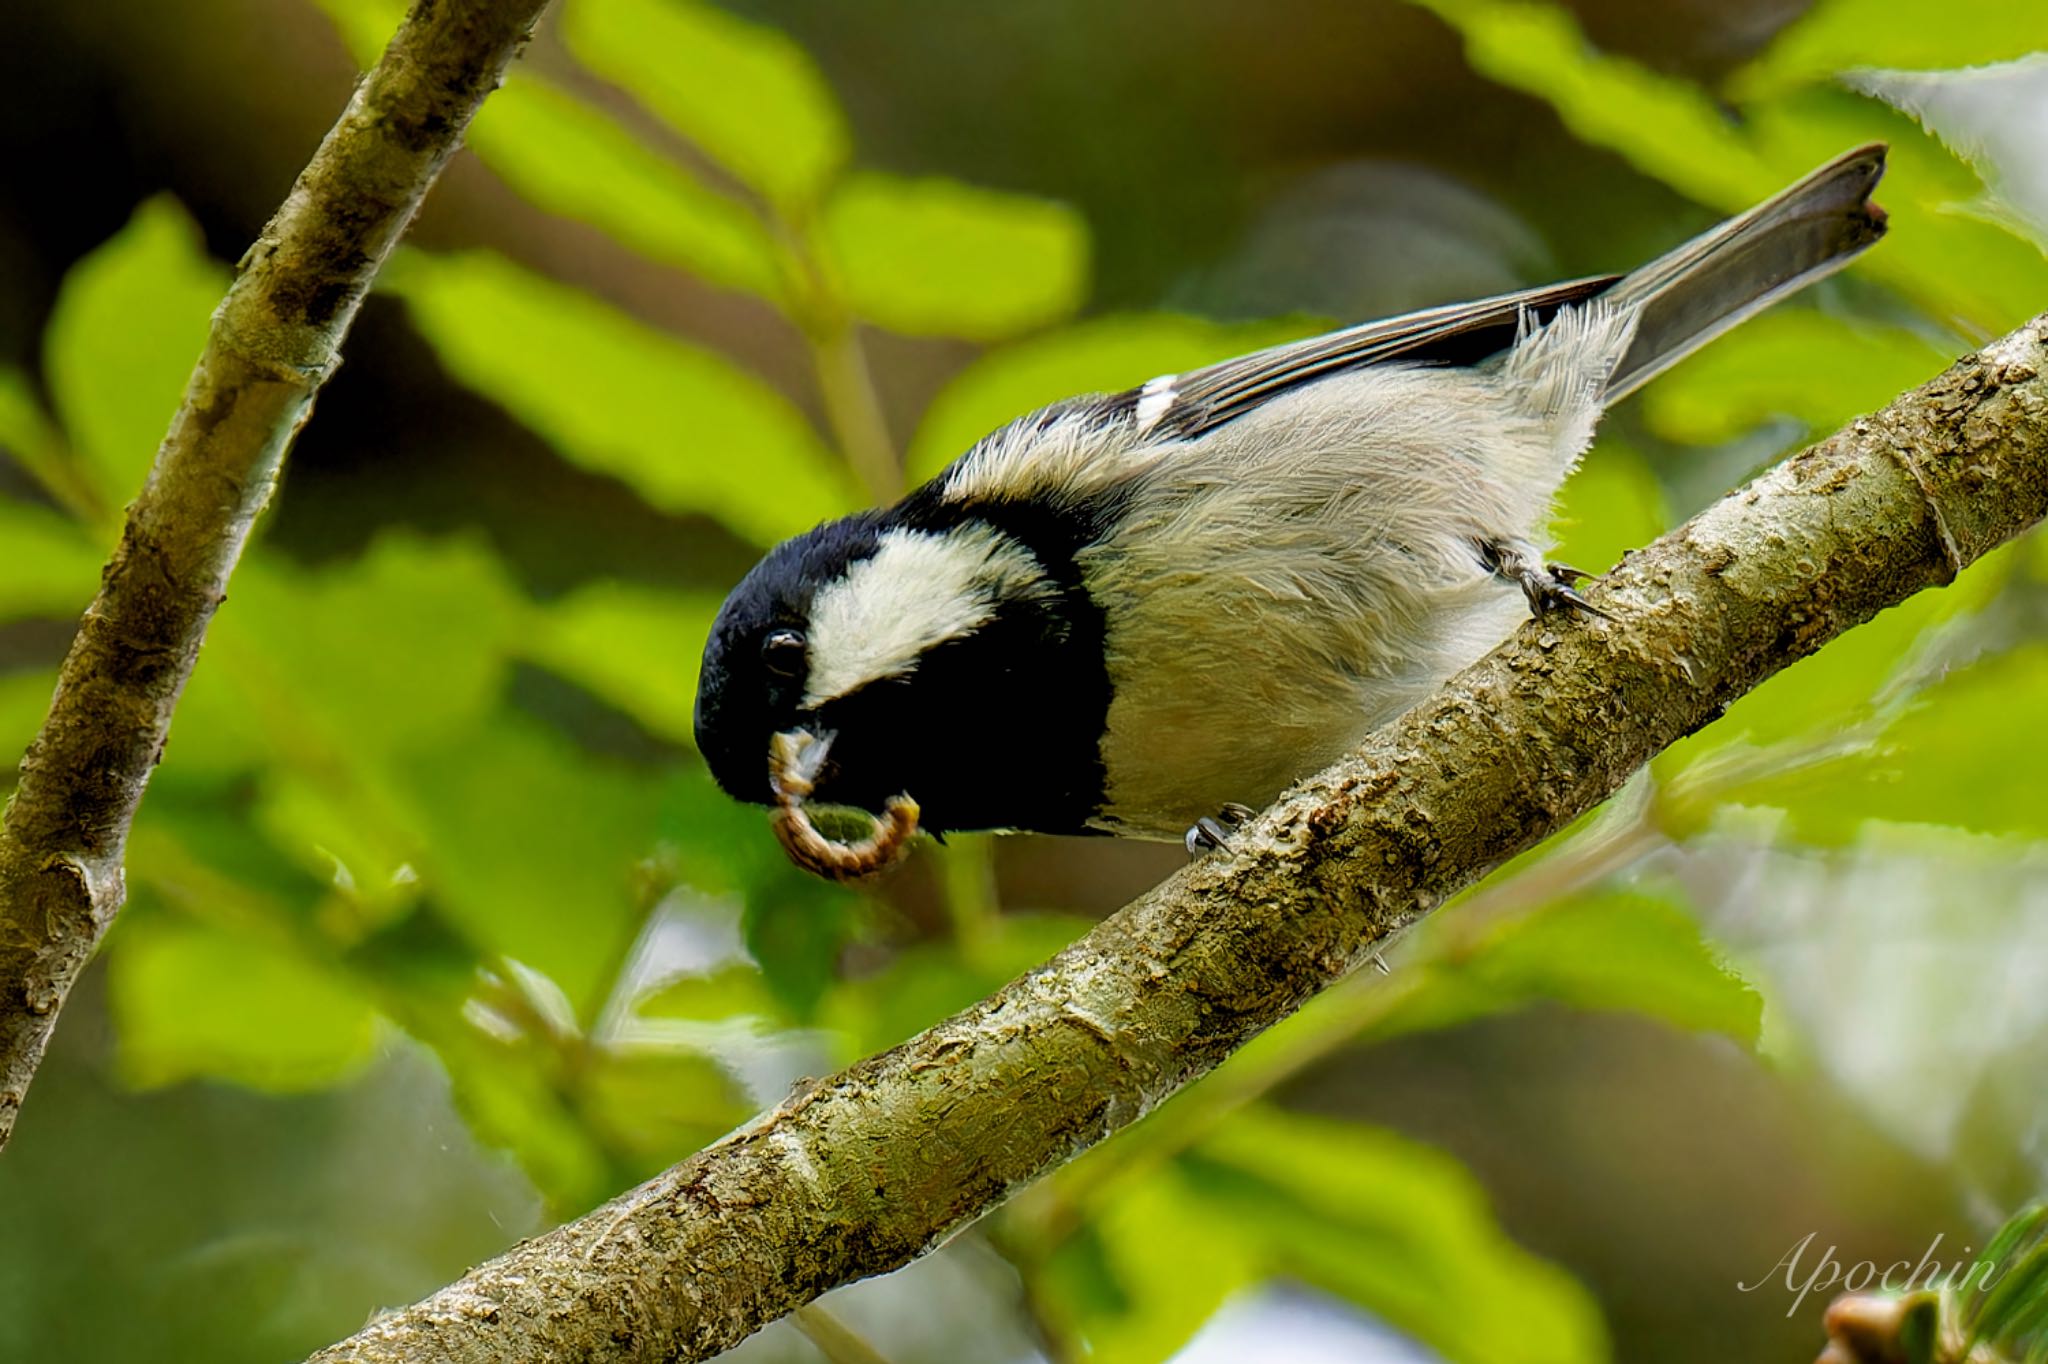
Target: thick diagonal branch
(275, 339)
(879, 1163)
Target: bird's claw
(1212, 832)
(1549, 587)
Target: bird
(1147, 613)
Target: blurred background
(437, 933)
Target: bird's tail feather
(1690, 296)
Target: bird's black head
(944, 658)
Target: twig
(275, 339)
(871, 1168)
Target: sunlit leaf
(1990, 117)
(1611, 504)
(26, 432)
(1792, 362)
(1100, 355)
(1834, 36)
(129, 324)
(1940, 763)
(745, 93)
(389, 653)
(1399, 1229)
(190, 1000)
(637, 647)
(51, 567)
(531, 849)
(1956, 265)
(681, 424)
(937, 257)
(660, 1104)
(1167, 1261)
(569, 158)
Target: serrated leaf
(637, 647)
(748, 95)
(1921, 35)
(1097, 356)
(935, 257)
(129, 325)
(190, 1000)
(680, 424)
(570, 159)
(1954, 265)
(1988, 116)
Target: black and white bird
(1125, 613)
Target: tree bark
(275, 339)
(872, 1167)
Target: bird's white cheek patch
(916, 591)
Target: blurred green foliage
(363, 824)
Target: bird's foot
(1549, 587)
(1211, 832)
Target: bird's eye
(782, 653)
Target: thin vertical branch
(275, 339)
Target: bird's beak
(796, 757)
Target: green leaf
(1834, 36)
(637, 647)
(1620, 951)
(657, 1105)
(190, 1000)
(1818, 370)
(531, 848)
(1100, 355)
(26, 432)
(682, 425)
(1940, 763)
(935, 257)
(1955, 265)
(411, 643)
(1170, 1261)
(24, 701)
(570, 159)
(747, 94)
(130, 322)
(51, 567)
(933, 981)
(1611, 504)
(1400, 1229)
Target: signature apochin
(1826, 1273)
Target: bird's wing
(1178, 406)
